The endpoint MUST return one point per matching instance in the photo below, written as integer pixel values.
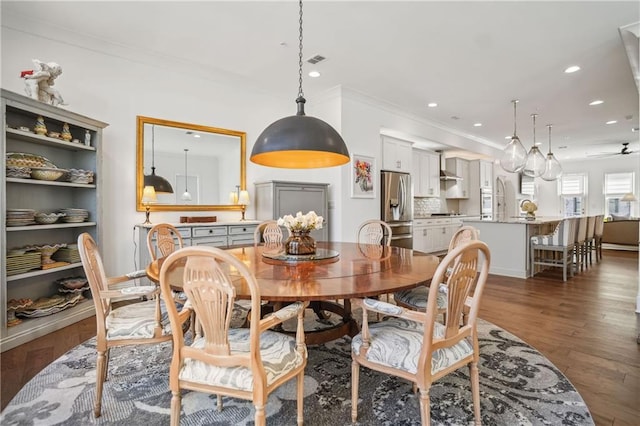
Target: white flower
(306, 222)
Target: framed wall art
(363, 176)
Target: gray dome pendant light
(300, 141)
(160, 184)
(553, 169)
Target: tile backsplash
(425, 206)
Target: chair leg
(219, 400)
(300, 398)
(100, 374)
(355, 378)
(425, 407)
(475, 391)
(260, 419)
(107, 357)
(175, 408)
(564, 264)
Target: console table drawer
(209, 231)
(242, 230)
(213, 241)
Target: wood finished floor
(587, 327)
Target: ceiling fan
(623, 151)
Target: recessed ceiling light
(196, 135)
(508, 137)
(596, 102)
(611, 122)
(562, 147)
(314, 74)
(635, 129)
(572, 68)
(432, 104)
(477, 124)
(538, 143)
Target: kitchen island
(508, 241)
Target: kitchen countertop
(519, 220)
(441, 216)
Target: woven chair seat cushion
(416, 298)
(136, 321)
(397, 343)
(277, 350)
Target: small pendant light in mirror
(160, 184)
(300, 141)
(553, 169)
(186, 196)
(535, 164)
(514, 155)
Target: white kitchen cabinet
(458, 188)
(31, 149)
(426, 173)
(433, 235)
(486, 174)
(396, 155)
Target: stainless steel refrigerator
(397, 206)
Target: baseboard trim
(608, 246)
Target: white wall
(115, 90)
(547, 192)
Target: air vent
(315, 59)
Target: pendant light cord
(534, 128)
(549, 126)
(186, 186)
(300, 93)
(153, 147)
(514, 116)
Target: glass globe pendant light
(553, 169)
(186, 196)
(514, 155)
(535, 164)
(300, 141)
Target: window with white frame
(573, 194)
(616, 185)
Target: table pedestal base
(347, 326)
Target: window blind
(572, 184)
(618, 183)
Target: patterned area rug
(518, 386)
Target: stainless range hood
(444, 173)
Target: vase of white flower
(300, 226)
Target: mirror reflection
(201, 165)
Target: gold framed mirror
(203, 165)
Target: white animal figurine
(39, 82)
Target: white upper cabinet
(486, 174)
(458, 188)
(426, 173)
(396, 155)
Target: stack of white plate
(74, 215)
(80, 176)
(20, 261)
(20, 217)
(72, 285)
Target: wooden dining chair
(268, 232)
(130, 324)
(416, 298)
(589, 241)
(163, 239)
(247, 363)
(374, 231)
(413, 345)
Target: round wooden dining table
(339, 271)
